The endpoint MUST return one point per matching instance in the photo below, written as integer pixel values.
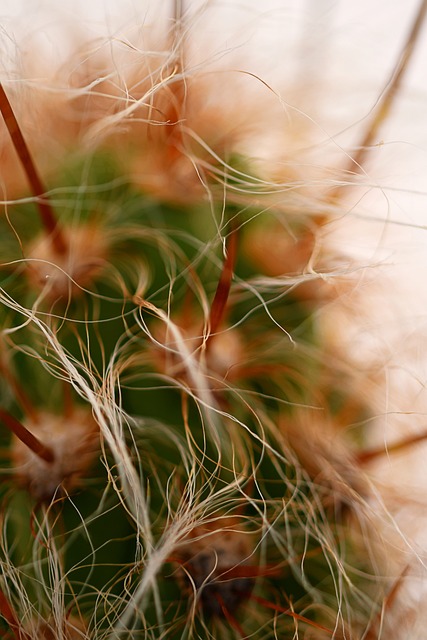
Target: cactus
(186, 435)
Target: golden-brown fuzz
(166, 126)
(218, 357)
(74, 443)
(73, 629)
(300, 252)
(327, 458)
(61, 275)
(216, 565)
(277, 251)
